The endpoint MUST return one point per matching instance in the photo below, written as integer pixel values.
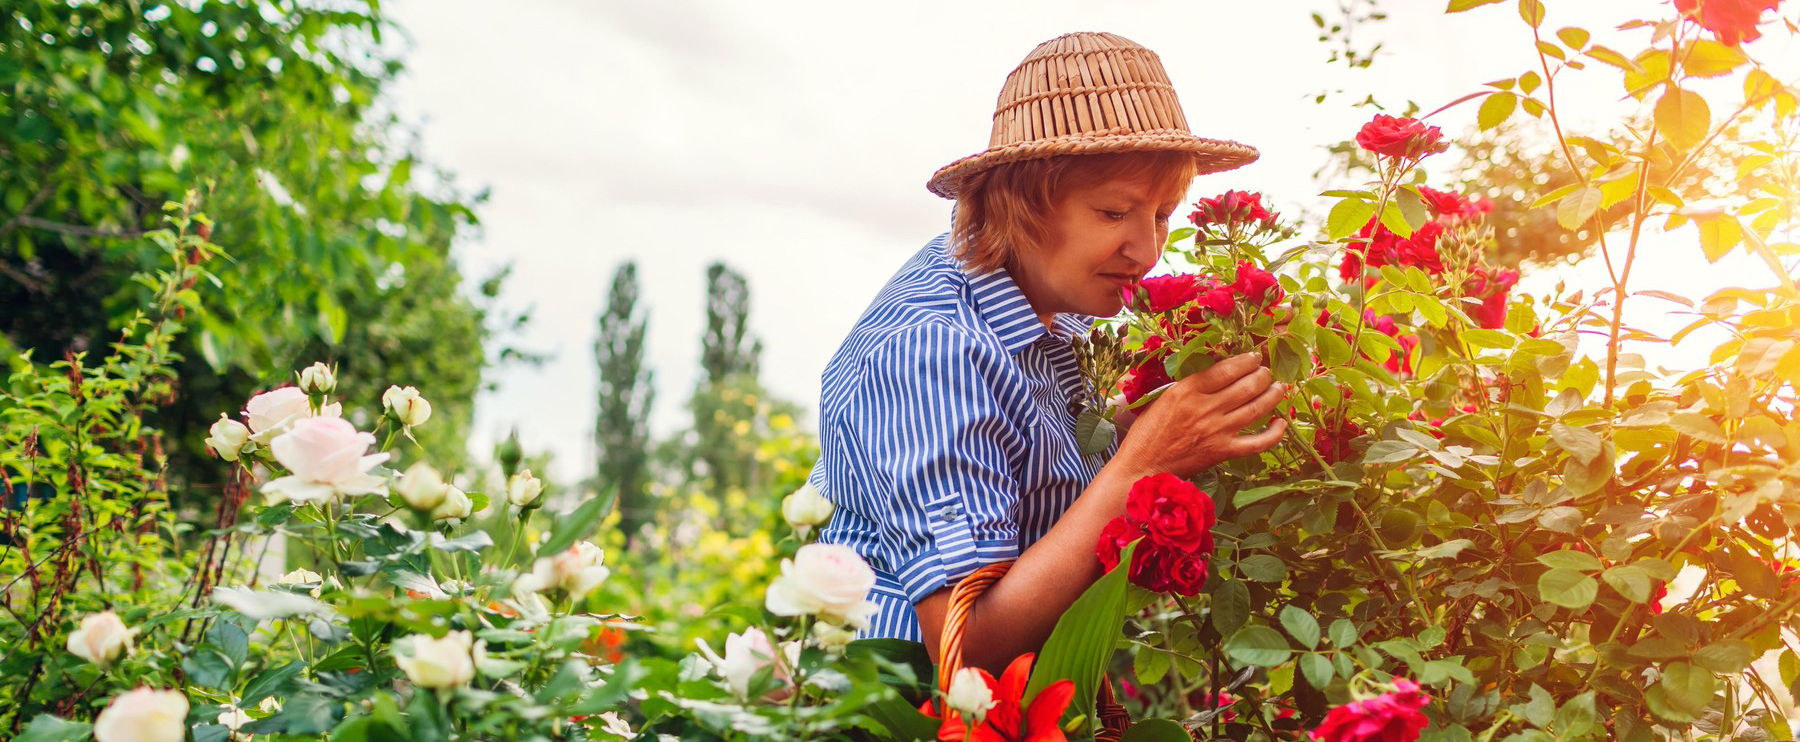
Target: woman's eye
(1113, 215)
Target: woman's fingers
(1224, 373)
(1260, 442)
(1246, 388)
(1255, 409)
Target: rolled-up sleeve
(929, 439)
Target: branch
(76, 229)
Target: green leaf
(1317, 669)
(1532, 11)
(1152, 730)
(1343, 633)
(1093, 432)
(1576, 717)
(1570, 559)
(1395, 219)
(1230, 606)
(426, 718)
(1683, 117)
(1718, 235)
(1696, 425)
(1334, 350)
(1728, 657)
(1630, 581)
(1302, 626)
(575, 526)
(1574, 211)
(272, 682)
(1458, 6)
(1568, 588)
(1496, 109)
(1574, 38)
(1263, 568)
(1256, 494)
(47, 728)
(1082, 642)
(1580, 442)
(207, 668)
(1708, 58)
(626, 675)
(1482, 337)
(1688, 688)
(1348, 216)
(1258, 645)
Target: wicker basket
(1113, 719)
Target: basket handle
(956, 618)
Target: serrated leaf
(1458, 6)
(1709, 58)
(48, 728)
(1683, 117)
(1579, 442)
(1258, 645)
(1495, 110)
(1574, 211)
(1570, 559)
(1343, 633)
(1568, 588)
(1300, 625)
(1317, 669)
(1094, 432)
(1630, 581)
(1263, 568)
(1230, 605)
(1348, 216)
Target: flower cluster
(1186, 304)
(1376, 245)
(1234, 213)
(1005, 716)
(1491, 286)
(1393, 716)
(1175, 519)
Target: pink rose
(326, 458)
(829, 580)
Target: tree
(336, 251)
(627, 390)
(726, 400)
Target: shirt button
(950, 514)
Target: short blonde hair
(1002, 210)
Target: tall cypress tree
(730, 359)
(622, 427)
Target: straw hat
(1087, 94)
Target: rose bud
(101, 638)
(437, 663)
(525, 491)
(227, 438)
(143, 715)
(422, 487)
(404, 404)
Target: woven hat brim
(1210, 155)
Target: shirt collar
(1003, 306)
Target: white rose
(101, 638)
(404, 404)
(456, 504)
(422, 487)
(829, 580)
(612, 724)
(303, 577)
(969, 693)
(326, 456)
(143, 715)
(437, 663)
(832, 637)
(805, 508)
(525, 491)
(234, 718)
(227, 438)
(745, 654)
(271, 412)
(576, 570)
(318, 379)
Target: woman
(947, 415)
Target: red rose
(1159, 294)
(1230, 208)
(1731, 21)
(1453, 207)
(1179, 573)
(1256, 285)
(1333, 441)
(1220, 300)
(1490, 285)
(1376, 246)
(1393, 716)
(1173, 512)
(1400, 137)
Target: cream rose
(576, 570)
(829, 580)
(525, 491)
(302, 577)
(227, 438)
(318, 379)
(326, 456)
(422, 487)
(101, 639)
(745, 654)
(143, 715)
(437, 663)
(234, 718)
(612, 724)
(404, 404)
(969, 693)
(456, 504)
(271, 412)
(805, 508)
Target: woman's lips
(1120, 279)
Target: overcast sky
(793, 140)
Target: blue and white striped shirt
(946, 435)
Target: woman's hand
(1198, 422)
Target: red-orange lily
(1007, 721)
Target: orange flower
(1008, 721)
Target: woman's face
(1101, 238)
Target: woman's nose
(1143, 244)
